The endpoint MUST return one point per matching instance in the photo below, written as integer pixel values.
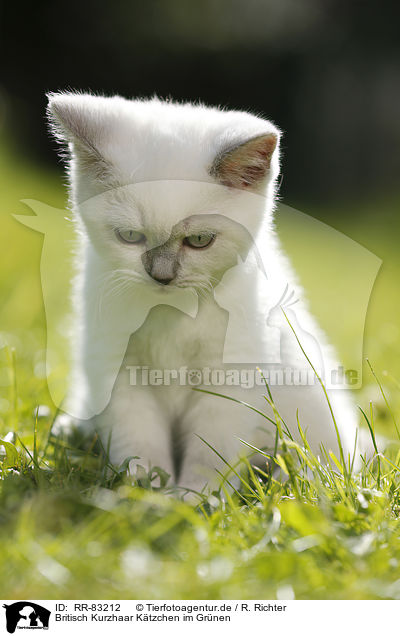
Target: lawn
(71, 529)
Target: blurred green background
(327, 72)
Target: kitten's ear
(245, 165)
(80, 123)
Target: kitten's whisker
(114, 284)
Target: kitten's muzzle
(161, 264)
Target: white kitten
(174, 209)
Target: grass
(71, 529)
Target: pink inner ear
(251, 175)
(245, 165)
(268, 145)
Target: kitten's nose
(161, 264)
(163, 281)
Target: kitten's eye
(202, 239)
(130, 236)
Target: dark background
(325, 71)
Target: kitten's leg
(134, 425)
(221, 424)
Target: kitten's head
(172, 193)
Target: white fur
(146, 165)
